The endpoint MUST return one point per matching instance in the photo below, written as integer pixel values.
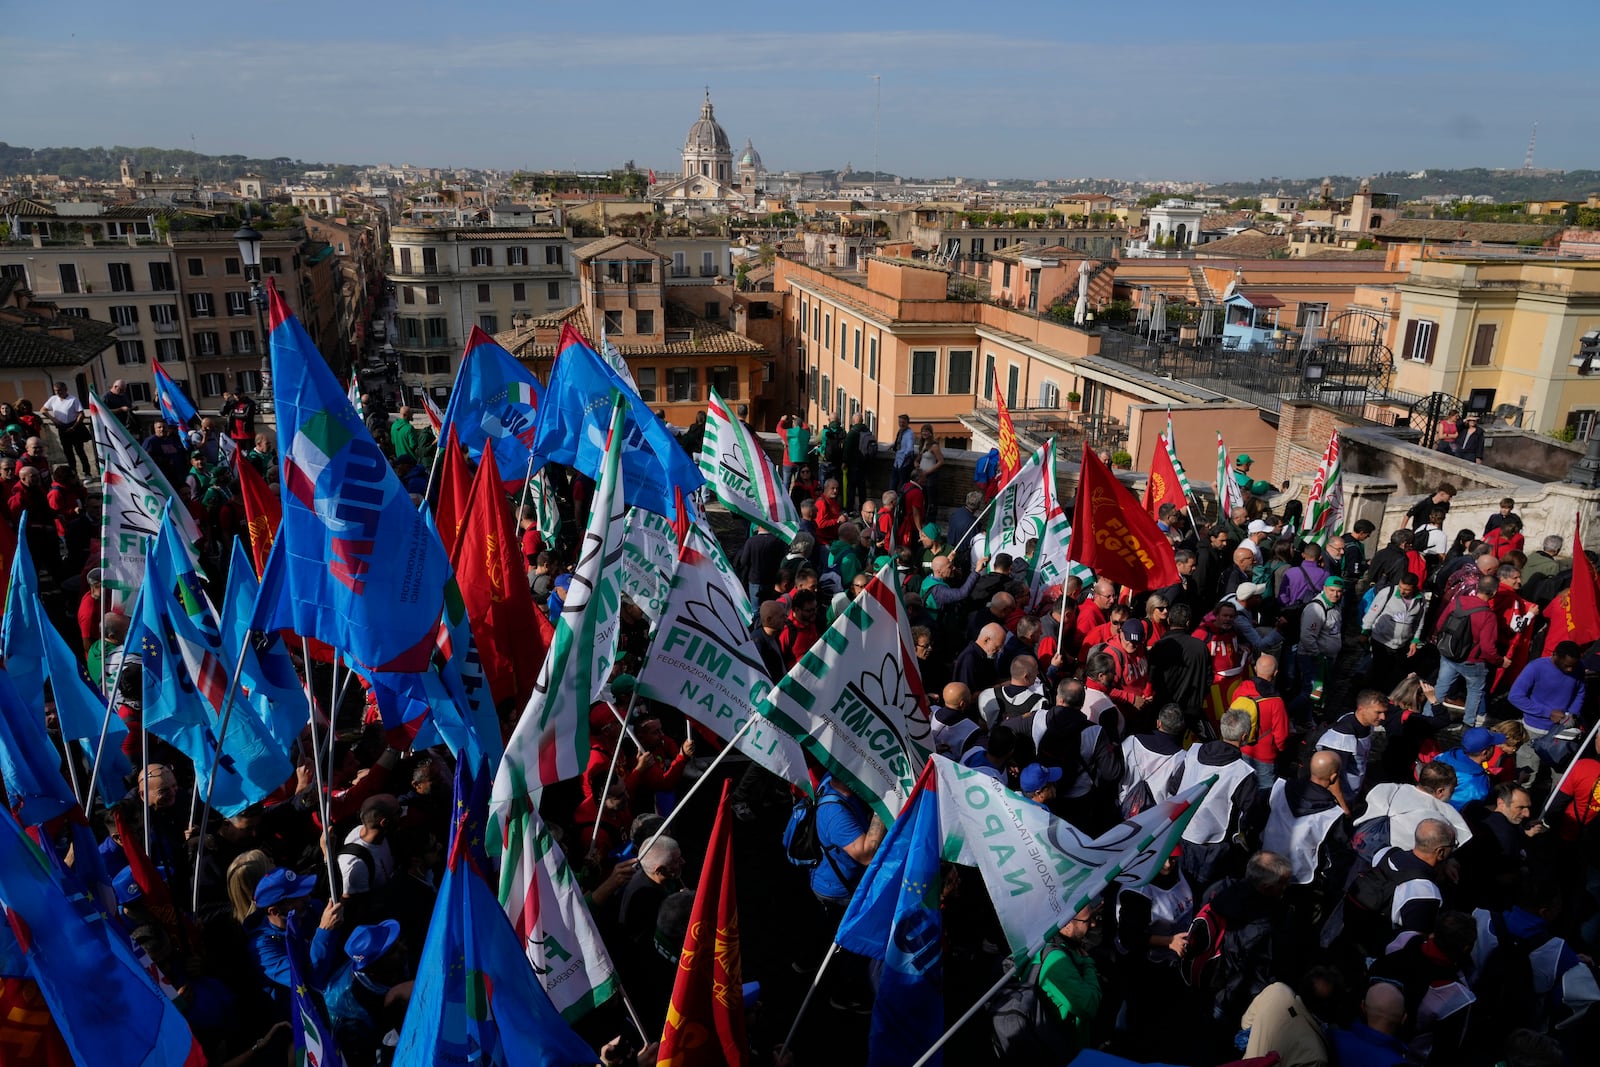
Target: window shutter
(1411, 339)
(1483, 345)
(1433, 339)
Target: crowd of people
(1383, 873)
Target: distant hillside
(104, 164)
(1504, 185)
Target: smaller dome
(750, 157)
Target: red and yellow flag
(1010, 454)
(1163, 486)
(1575, 614)
(1113, 536)
(455, 483)
(493, 578)
(263, 511)
(705, 1019)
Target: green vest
(928, 583)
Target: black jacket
(1180, 671)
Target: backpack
(832, 447)
(1252, 707)
(802, 845)
(1025, 1026)
(1202, 952)
(867, 445)
(1507, 998)
(1455, 636)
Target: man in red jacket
(1271, 715)
(1483, 652)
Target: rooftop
(1509, 233)
(704, 338)
(36, 334)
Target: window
(139, 391)
(816, 317)
(553, 256)
(433, 294)
(552, 291)
(1483, 344)
(839, 401)
(1049, 395)
(271, 265)
(243, 342)
(69, 278)
(408, 295)
(438, 364)
(613, 271)
(121, 277)
(924, 366)
(1005, 276)
(519, 292)
(811, 382)
(197, 267)
(645, 378)
(434, 332)
(15, 271)
(213, 384)
(805, 318)
(872, 358)
(489, 324)
(413, 364)
(169, 350)
(958, 369)
(713, 310)
(249, 381)
(405, 261)
(827, 330)
(165, 316)
(855, 350)
(1421, 336)
(988, 375)
(484, 296)
(1013, 372)
(207, 343)
(430, 261)
(613, 322)
(680, 268)
(825, 393)
(517, 256)
(482, 257)
(230, 265)
(1582, 423)
(130, 351)
(200, 305)
(125, 316)
(842, 339)
(725, 380)
(641, 273)
(1307, 316)
(644, 322)
(681, 384)
(77, 313)
(411, 332)
(238, 304)
(161, 279)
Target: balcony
(709, 272)
(127, 329)
(681, 272)
(166, 327)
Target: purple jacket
(1542, 688)
(1302, 582)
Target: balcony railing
(127, 329)
(708, 272)
(166, 327)
(680, 272)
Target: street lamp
(249, 239)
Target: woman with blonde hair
(244, 872)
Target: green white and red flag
(742, 476)
(1177, 465)
(1325, 508)
(1228, 493)
(551, 741)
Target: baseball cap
(1035, 776)
(1333, 582)
(1242, 460)
(126, 888)
(367, 944)
(1259, 526)
(931, 530)
(279, 885)
(752, 993)
(600, 716)
(1479, 739)
(563, 581)
(95, 576)
(1247, 590)
(1134, 629)
(623, 684)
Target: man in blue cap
(367, 998)
(281, 902)
(1039, 783)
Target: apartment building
(450, 278)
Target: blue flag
(29, 764)
(268, 684)
(362, 571)
(471, 822)
(186, 679)
(894, 917)
(109, 1010)
(82, 710)
(476, 998)
(495, 399)
(21, 643)
(575, 421)
(175, 405)
(313, 1037)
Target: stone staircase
(1202, 288)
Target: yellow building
(1503, 332)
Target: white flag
(546, 907)
(1039, 869)
(649, 560)
(1022, 508)
(704, 662)
(855, 700)
(135, 496)
(742, 476)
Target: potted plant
(1121, 460)
(1074, 400)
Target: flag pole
(611, 771)
(970, 1012)
(144, 764)
(105, 723)
(522, 499)
(211, 778)
(704, 778)
(316, 766)
(72, 767)
(816, 982)
(1588, 742)
(335, 694)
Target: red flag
(263, 511)
(705, 1019)
(1575, 614)
(652, 176)
(1010, 454)
(1113, 536)
(30, 1037)
(455, 482)
(156, 896)
(1162, 487)
(8, 548)
(493, 578)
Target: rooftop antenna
(1527, 160)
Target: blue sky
(1151, 90)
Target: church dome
(707, 135)
(750, 157)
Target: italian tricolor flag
(521, 393)
(315, 444)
